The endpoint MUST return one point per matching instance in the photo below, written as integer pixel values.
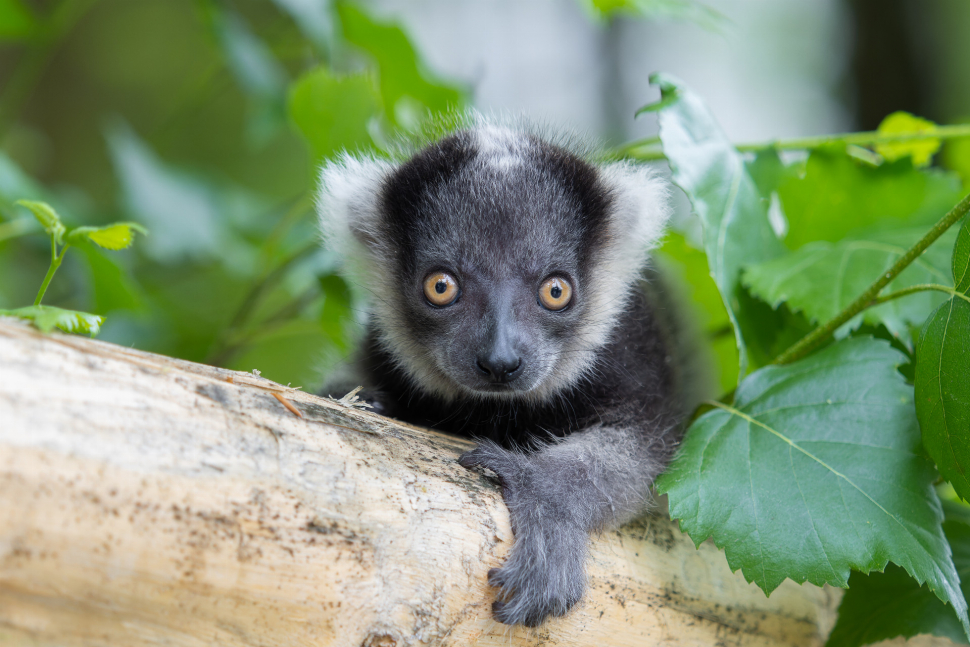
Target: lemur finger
(493, 457)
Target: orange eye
(555, 293)
(441, 289)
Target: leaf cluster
(118, 235)
(847, 296)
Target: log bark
(146, 500)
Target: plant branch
(913, 289)
(650, 148)
(55, 263)
(808, 343)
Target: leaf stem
(55, 263)
(913, 289)
(650, 148)
(808, 343)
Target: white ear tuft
(348, 201)
(641, 209)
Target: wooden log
(146, 500)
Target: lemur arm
(592, 480)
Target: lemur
(510, 303)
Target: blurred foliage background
(205, 120)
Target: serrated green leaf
(816, 470)
(46, 216)
(943, 391)
(820, 279)
(921, 150)
(881, 606)
(406, 88)
(713, 175)
(838, 195)
(16, 20)
(333, 112)
(119, 235)
(46, 318)
(960, 264)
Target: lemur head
(497, 263)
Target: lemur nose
(500, 368)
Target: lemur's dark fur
(592, 410)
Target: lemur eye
(555, 293)
(441, 289)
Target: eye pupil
(555, 292)
(440, 287)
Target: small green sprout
(115, 236)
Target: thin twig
(650, 148)
(808, 343)
(922, 287)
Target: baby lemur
(510, 304)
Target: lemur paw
(544, 574)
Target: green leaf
(713, 175)
(881, 606)
(956, 157)
(313, 18)
(47, 217)
(820, 279)
(920, 150)
(837, 195)
(333, 112)
(406, 88)
(817, 469)
(113, 286)
(943, 391)
(249, 59)
(961, 259)
(46, 318)
(767, 170)
(119, 235)
(16, 20)
(179, 209)
(686, 265)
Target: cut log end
(146, 500)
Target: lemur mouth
(499, 387)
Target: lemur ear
(641, 209)
(348, 201)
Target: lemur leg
(557, 496)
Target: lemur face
(497, 231)
(497, 263)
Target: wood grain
(146, 501)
